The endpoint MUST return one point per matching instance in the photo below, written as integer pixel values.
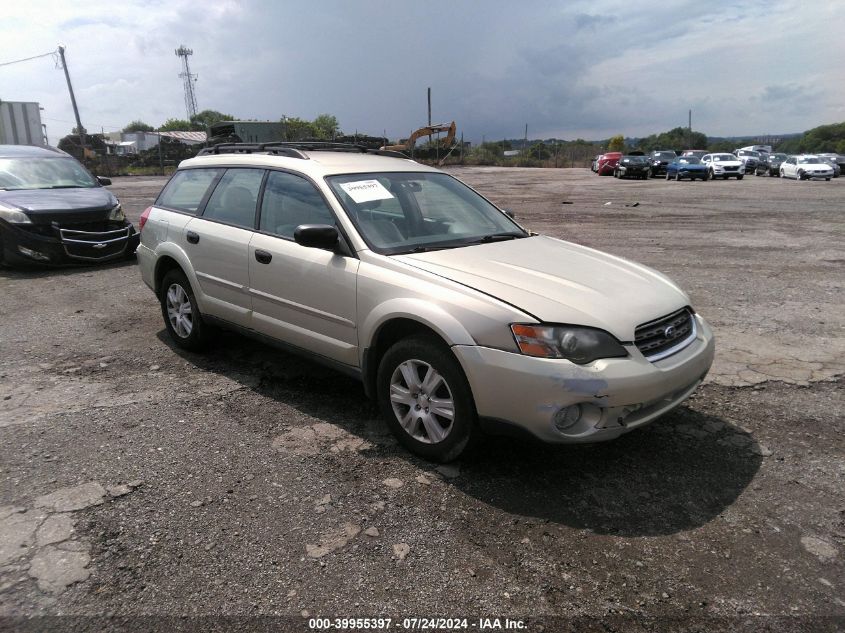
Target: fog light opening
(41, 257)
(567, 417)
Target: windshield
(690, 160)
(777, 157)
(809, 160)
(634, 160)
(407, 212)
(748, 152)
(723, 157)
(43, 173)
(669, 155)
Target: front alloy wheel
(422, 401)
(425, 398)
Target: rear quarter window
(187, 189)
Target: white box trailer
(20, 123)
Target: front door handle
(192, 237)
(262, 257)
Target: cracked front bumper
(620, 394)
(59, 246)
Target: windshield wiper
(496, 237)
(66, 187)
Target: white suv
(452, 315)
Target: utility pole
(525, 142)
(429, 110)
(689, 138)
(79, 128)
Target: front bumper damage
(55, 245)
(614, 395)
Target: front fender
(414, 309)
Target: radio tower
(188, 79)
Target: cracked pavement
(139, 479)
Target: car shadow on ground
(673, 475)
(39, 272)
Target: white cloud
(584, 69)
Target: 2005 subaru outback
(451, 314)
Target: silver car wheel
(422, 401)
(179, 311)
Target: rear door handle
(192, 237)
(262, 257)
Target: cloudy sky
(568, 69)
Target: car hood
(47, 205)
(725, 163)
(559, 282)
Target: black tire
(740, 177)
(827, 179)
(800, 175)
(677, 176)
(782, 174)
(197, 338)
(667, 174)
(434, 353)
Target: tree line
(324, 126)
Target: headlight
(116, 214)
(13, 215)
(580, 345)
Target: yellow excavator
(445, 143)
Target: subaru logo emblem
(669, 332)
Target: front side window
(289, 201)
(234, 198)
(187, 189)
(408, 212)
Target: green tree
(202, 120)
(676, 138)
(137, 126)
(825, 138)
(175, 125)
(326, 126)
(616, 143)
(297, 129)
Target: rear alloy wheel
(182, 317)
(425, 398)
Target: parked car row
(700, 164)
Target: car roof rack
(295, 149)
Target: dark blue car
(686, 167)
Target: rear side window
(234, 198)
(290, 201)
(186, 190)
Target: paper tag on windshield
(366, 190)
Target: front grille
(94, 245)
(664, 336)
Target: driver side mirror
(509, 213)
(103, 181)
(316, 236)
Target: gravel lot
(138, 479)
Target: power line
(26, 59)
